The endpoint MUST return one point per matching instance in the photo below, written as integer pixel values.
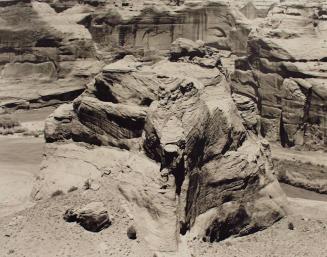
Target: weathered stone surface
(114, 122)
(186, 47)
(132, 176)
(182, 132)
(58, 124)
(157, 26)
(207, 164)
(93, 216)
(121, 82)
(45, 53)
(284, 76)
(40, 55)
(112, 111)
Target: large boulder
(122, 82)
(113, 124)
(93, 216)
(186, 47)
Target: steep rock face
(280, 87)
(45, 57)
(157, 26)
(204, 173)
(212, 165)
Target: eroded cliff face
(51, 51)
(215, 23)
(45, 58)
(51, 58)
(280, 87)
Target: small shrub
(290, 226)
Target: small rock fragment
(290, 226)
(131, 232)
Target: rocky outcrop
(111, 112)
(204, 160)
(280, 87)
(192, 166)
(58, 124)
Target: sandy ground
(20, 158)
(308, 238)
(19, 163)
(40, 231)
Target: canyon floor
(32, 230)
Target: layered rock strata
(51, 58)
(280, 87)
(45, 58)
(189, 165)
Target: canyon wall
(157, 27)
(280, 86)
(52, 57)
(45, 58)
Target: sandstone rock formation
(189, 164)
(280, 87)
(156, 26)
(46, 60)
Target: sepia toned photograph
(163, 128)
